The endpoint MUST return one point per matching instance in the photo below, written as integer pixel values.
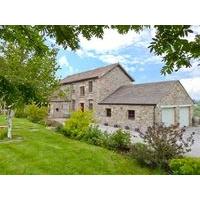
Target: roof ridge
(170, 81)
(92, 70)
(93, 73)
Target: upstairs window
(90, 86)
(82, 91)
(131, 114)
(108, 112)
(73, 90)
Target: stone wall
(102, 87)
(88, 95)
(144, 116)
(111, 82)
(59, 109)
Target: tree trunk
(10, 118)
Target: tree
(170, 42)
(25, 77)
(177, 51)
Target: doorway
(82, 107)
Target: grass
(42, 151)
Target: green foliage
(166, 143)
(172, 44)
(20, 113)
(78, 123)
(170, 41)
(35, 113)
(59, 128)
(3, 133)
(25, 76)
(143, 154)
(185, 166)
(79, 127)
(119, 140)
(95, 136)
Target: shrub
(94, 135)
(120, 140)
(3, 133)
(78, 123)
(20, 113)
(59, 128)
(185, 166)
(166, 142)
(35, 113)
(143, 154)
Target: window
(108, 112)
(64, 106)
(82, 91)
(73, 105)
(90, 104)
(90, 86)
(65, 110)
(57, 109)
(131, 114)
(73, 90)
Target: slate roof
(140, 94)
(95, 73)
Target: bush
(166, 143)
(94, 135)
(35, 113)
(20, 113)
(120, 140)
(143, 154)
(59, 128)
(78, 123)
(3, 133)
(185, 166)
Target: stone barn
(117, 101)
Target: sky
(131, 51)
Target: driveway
(195, 152)
(196, 146)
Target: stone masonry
(106, 82)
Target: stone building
(116, 101)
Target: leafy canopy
(26, 76)
(170, 42)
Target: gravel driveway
(135, 138)
(196, 146)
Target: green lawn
(43, 151)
